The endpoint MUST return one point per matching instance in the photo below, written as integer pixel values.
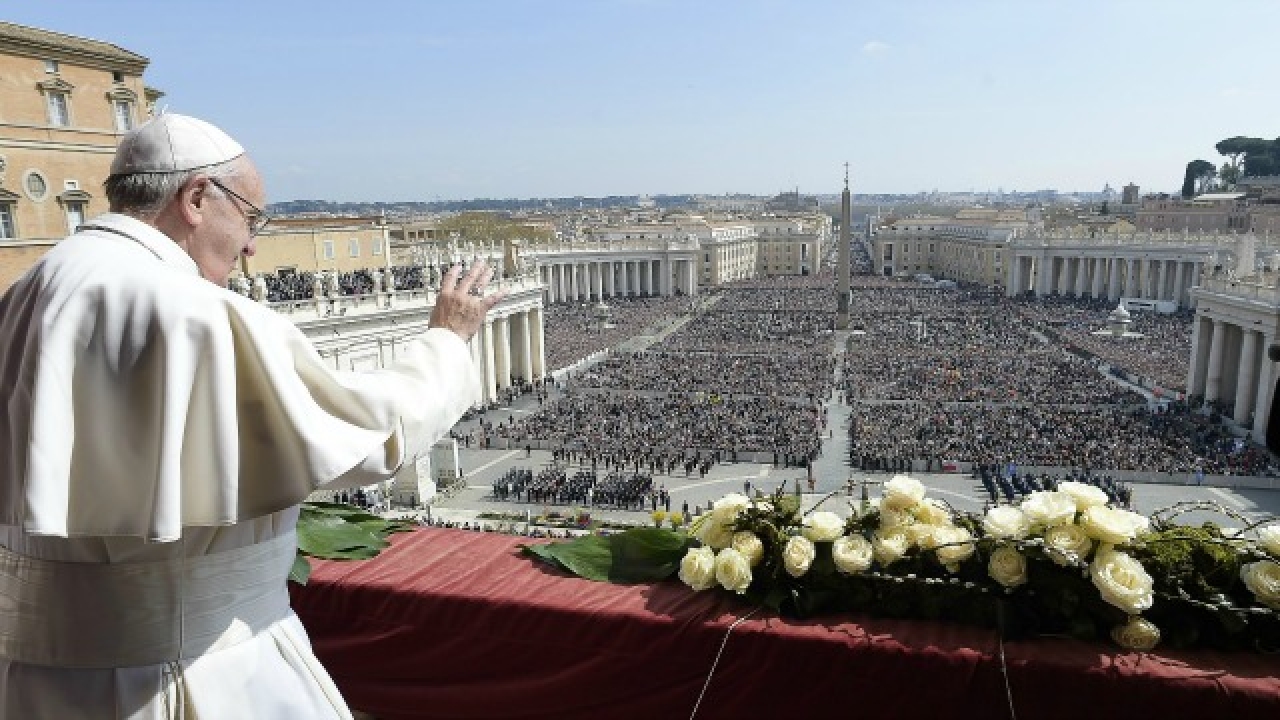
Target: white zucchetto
(173, 143)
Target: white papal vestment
(157, 433)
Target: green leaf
(327, 536)
(300, 573)
(646, 554)
(637, 555)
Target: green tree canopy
(1199, 174)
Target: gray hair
(146, 194)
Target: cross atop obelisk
(843, 270)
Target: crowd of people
(555, 484)
(288, 286)
(797, 376)
(574, 331)
(1173, 439)
(969, 353)
(632, 427)
(1162, 353)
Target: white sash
(93, 615)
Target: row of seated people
(554, 485)
(1015, 486)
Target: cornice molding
(48, 45)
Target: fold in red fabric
(457, 624)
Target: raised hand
(462, 305)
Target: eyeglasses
(255, 216)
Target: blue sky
(387, 100)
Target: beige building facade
(320, 244)
(65, 102)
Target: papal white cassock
(158, 433)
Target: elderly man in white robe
(158, 433)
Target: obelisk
(846, 220)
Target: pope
(158, 434)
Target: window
(377, 246)
(328, 249)
(36, 186)
(6, 220)
(51, 66)
(75, 215)
(70, 184)
(117, 76)
(354, 247)
(124, 115)
(59, 114)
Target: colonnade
(508, 348)
(1157, 279)
(1229, 364)
(587, 280)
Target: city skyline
(450, 101)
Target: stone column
(523, 347)
(1015, 272)
(502, 351)
(691, 277)
(1099, 276)
(610, 279)
(490, 361)
(537, 343)
(1263, 398)
(597, 280)
(664, 284)
(476, 346)
(1213, 383)
(1082, 267)
(562, 282)
(1179, 292)
(1113, 279)
(1245, 388)
(1163, 292)
(1131, 288)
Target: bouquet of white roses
(1061, 561)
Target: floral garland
(1059, 562)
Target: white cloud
(875, 47)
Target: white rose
(902, 492)
(749, 545)
(895, 519)
(698, 568)
(1067, 543)
(713, 532)
(852, 554)
(887, 546)
(932, 512)
(727, 508)
(1007, 566)
(1122, 581)
(1263, 580)
(921, 535)
(949, 553)
(1086, 496)
(798, 555)
(823, 526)
(1269, 539)
(1049, 508)
(1137, 634)
(1006, 522)
(733, 571)
(1112, 525)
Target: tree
(1199, 175)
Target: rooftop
(23, 40)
